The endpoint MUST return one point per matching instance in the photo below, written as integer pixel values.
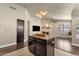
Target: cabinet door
(40, 47)
(63, 43)
(31, 45)
(50, 50)
(50, 47)
(59, 43)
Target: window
(65, 27)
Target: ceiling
(55, 10)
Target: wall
(34, 21)
(75, 21)
(8, 23)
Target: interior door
(20, 31)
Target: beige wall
(75, 21)
(8, 23)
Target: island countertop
(46, 37)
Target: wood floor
(63, 44)
(12, 48)
(21, 52)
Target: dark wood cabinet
(40, 47)
(31, 45)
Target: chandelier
(41, 13)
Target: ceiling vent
(12, 8)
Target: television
(36, 28)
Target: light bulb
(47, 25)
(38, 15)
(43, 13)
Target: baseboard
(75, 45)
(7, 45)
(25, 40)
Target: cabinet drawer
(31, 38)
(38, 40)
(43, 42)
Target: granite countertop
(59, 36)
(46, 37)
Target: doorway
(20, 31)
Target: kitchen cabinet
(41, 47)
(63, 43)
(31, 45)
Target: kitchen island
(41, 45)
